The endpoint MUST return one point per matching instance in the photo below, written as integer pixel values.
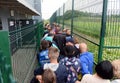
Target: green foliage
(90, 28)
(111, 54)
(88, 25)
(68, 14)
(46, 21)
(76, 13)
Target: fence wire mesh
(112, 33)
(97, 22)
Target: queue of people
(63, 59)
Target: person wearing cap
(70, 42)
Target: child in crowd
(43, 55)
(44, 76)
(59, 69)
(48, 76)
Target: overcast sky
(50, 6)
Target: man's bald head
(83, 47)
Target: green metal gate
(5, 59)
(25, 38)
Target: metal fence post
(72, 17)
(5, 57)
(59, 17)
(1, 66)
(103, 29)
(39, 34)
(63, 15)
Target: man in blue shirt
(86, 60)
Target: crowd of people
(63, 59)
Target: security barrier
(25, 41)
(5, 60)
(95, 22)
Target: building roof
(19, 5)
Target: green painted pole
(38, 36)
(5, 62)
(1, 66)
(55, 17)
(72, 17)
(63, 15)
(103, 29)
(59, 17)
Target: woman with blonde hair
(116, 71)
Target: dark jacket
(61, 73)
(60, 41)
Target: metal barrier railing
(39, 34)
(5, 60)
(24, 38)
(95, 22)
